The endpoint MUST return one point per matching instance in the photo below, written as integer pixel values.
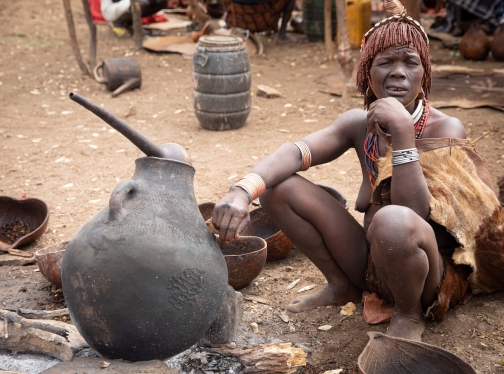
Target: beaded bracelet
(252, 184)
(405, 156)
(305, 155)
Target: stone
(226, 324)
(267, 92)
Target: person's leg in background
(286, 15)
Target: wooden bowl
(262, 225)
(245, 258)
(22, 221)
(49, 262)
(206, 210)
(385, 354)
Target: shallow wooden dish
(30, 211)
(385, 354)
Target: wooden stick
(136, 16)
(344, 52)
(42, 314)
(73, 37)
(328, 29)
(264, 358)
(41, 325)
(17, 252)
(54, 338)
(92, 34)
(199, 14)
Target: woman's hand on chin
(390, 115)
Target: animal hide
(462, 200)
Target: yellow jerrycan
(358, 15)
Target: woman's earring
(369, 91)
(421, 94)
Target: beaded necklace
(372, 151)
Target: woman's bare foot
(328, 295)
(405, 327)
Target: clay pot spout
(144, 144)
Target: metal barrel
(144, 144)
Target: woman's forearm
(279, 165)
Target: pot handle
(97, 77)
(200, 59)
(245, 32)
(118, 197)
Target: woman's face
(397, 72)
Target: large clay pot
(144, 278)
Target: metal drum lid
(220, 41)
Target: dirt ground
(53, 149)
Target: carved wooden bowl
(206, 210)
(49, 262)
(385, 354)
(22, 221)
(245, 258)
(262, 225)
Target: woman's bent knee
(278, 194)
(393, 220)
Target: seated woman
(432, 224)
(261, 15)
(118, 12)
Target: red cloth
(94, 7)
(96, 14)
(154, 18)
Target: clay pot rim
(274, 236)
(165, 159)
(35, 232)
(45, 251)
(264, 247)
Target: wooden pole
(412, 8)
(328, 29)
(136, 15)
(344, 51)
(92, 34)
(73, 37)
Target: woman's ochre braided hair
(397, 30)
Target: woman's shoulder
(350, 118)
(441, 125)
